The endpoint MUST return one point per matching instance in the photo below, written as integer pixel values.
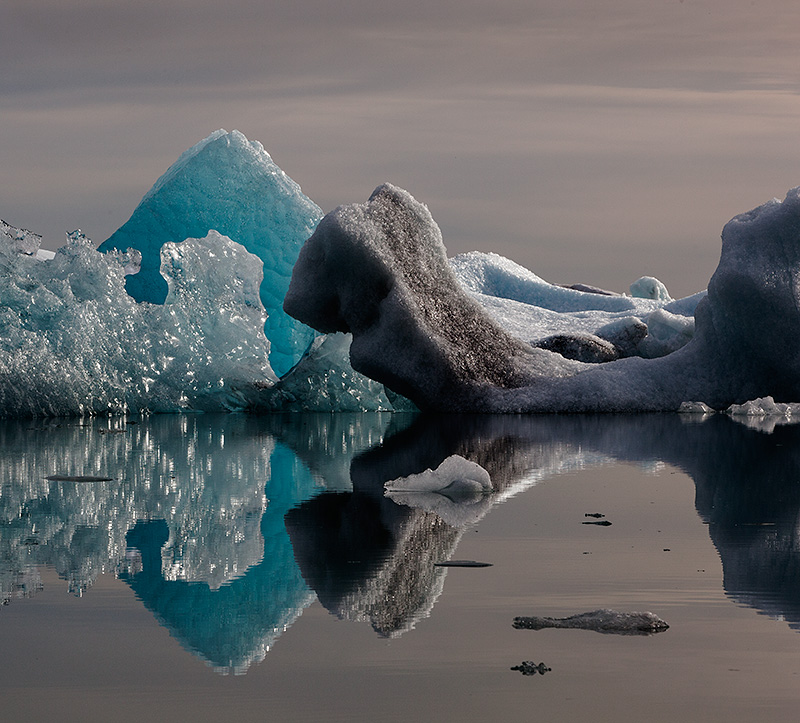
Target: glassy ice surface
(203, 567)
(231, 185)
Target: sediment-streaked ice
(379, 270)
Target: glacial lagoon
(247, 568)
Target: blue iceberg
(231, 185)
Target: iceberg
(454, 476)
(231, 185)
(601, 621)
(211, 298)
(72, 341)
(379, 271)
(579, 321)
(323, 380)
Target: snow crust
(533, 310)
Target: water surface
(250, 568)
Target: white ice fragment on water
(695, 408)
(764, 407)
(454, 475)
(457, 491)
(764, 414)
(649, 287)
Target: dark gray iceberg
(379, 271)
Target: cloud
(590, 142)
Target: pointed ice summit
(231, 185)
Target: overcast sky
(592, 142)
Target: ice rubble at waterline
(216, 240)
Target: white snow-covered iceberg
(579, 321)
(454, 475)
(379, 271)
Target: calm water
(250, 569)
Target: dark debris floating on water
(528, 667)
(601, 621)
(77, 478)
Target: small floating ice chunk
(454, 475)
(763, 407)
(648, 287)
(764, 414)
(528, 667)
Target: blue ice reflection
(227, 527)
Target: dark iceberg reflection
(370, 559)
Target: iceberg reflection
(227, 527)
(368, 558)
(192, 519)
